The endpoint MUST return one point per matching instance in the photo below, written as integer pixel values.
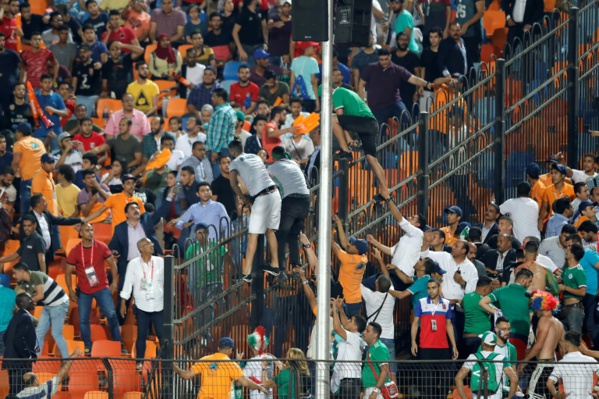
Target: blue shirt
(555, 224)
(305, 67)
(5, 160)
(55, 101)
(213, 214)
(344, 71)
(7, 304)
(588, 262)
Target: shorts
(366, 128)
(266, 213)
(369, 391)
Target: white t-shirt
(243, 136)
(349, 350)
(289, 178)
(184, 143)
(577, 379)
(176, 159)
(299, 151)
(195, 75)
(8, 193)
(469, 364)
(406, 253)
(253, 368)
(253, 172)
(578, 176)
(547, 263)
(525, 215)
(373, 300)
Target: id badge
(150, 292)
(433, 325)
(144, 284)
(92, 278)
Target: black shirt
(89, 80)
(429, 61)
(251, 27)
(221, 187)
(35, 24)
(213, 40)
(228, 23)
(99, 23)
(30, 248)
(9, 69)
(16, 114)
(75, 27)
(410, 61)
(119, 74)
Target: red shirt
(95, 140)
(101, 253)
(37, 64)
(244, 95)
(268, 143)
(8, 27)
(71, 109)
(123, 35)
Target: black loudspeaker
(309, 20)
(352, 22)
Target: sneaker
(343, 155)
(247, 278)
(87, 352)
(275, 271)
(139, 366)
(124, 352)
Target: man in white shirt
(144, 279)
(524, 212)
(295, 110)
(589, 169)
(265, 201)
(555, 247)
(577, 378)
(347, 376)
(185, 142)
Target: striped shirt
(54, 295)
(221, 130)
(43, 391)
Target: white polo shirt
(577, 379)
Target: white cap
(285, 1)
(488, 338)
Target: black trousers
(294, 211)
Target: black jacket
(494, 230)
(451, 58)
(19, 339)
(533, 12)
(492, 255)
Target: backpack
(492, 381)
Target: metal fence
(294, 378)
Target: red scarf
(168, 53)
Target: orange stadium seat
(129, 335)
(96, 395)
(176, 107)
(98, 332)
(149, 50)
(493, 19)
(106, 348)
(82, 382)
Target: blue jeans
(53, 316)
(397, 110)
(390, 344)
(2, 343)
(144, 321)
(25, 193)
(104, 300)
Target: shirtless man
(550, 334)
(531, 249)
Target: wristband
(375, 389)
(307, 246)
(306, 282)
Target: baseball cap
(437, 269)
(226, 342)
(63, 136)
(488, 338)
(48, 158)
(583, 204)
(283, 2)
(23, 127)
(454, 209)
(559, 167)
(126, 177)
(260, 54)
(533, 170)
(279, 152)
(240, 115)
(85, 47)
(200, 226)
(362, 245)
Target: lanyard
(91, 259)
(144, 272)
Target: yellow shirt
(217, 376)
(43, 184)
(350, 275)
(117, 202)
(67, 199)
(114, 4)
(143, 95)
(31, 150)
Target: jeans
(53, 316)
(592, 324)
(202, 295)
(144, 321)
(574, 317)
(104, 300)
(25, 192)
(390, 344)
(397, 110)
(294, 211)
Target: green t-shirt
(351, 103)
(514, 304)
(286, 381)
(378, 353)
(477, 319)
(208, 269)
(419, 289)
(35, 279)
(574, 277)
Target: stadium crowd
(136, 128)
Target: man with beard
(186, 141)
(9, 27)
(218, 40)
(117, 72)
(117, 202)
(149, 145)
(114, 31)
(257, 75)
(140, 124)
(272, 89)
(192, 71)
(8, 192)
(31, 22)
(338, 80)
(410, 61)
(244, 92)
(489, 226)
(144, 91)
(9, 69)
(200, 163)
(221, 129)
(87, 79)
(19, 111)
(452, 53)
(429, 68)
(273, 131)
(201, 94)
(93, 196)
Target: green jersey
(207, 269)
(379, 354)
(513, 302)
(465, 10)
(351, 103)
(574, 277)
(477, 319)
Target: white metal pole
(324, 217)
